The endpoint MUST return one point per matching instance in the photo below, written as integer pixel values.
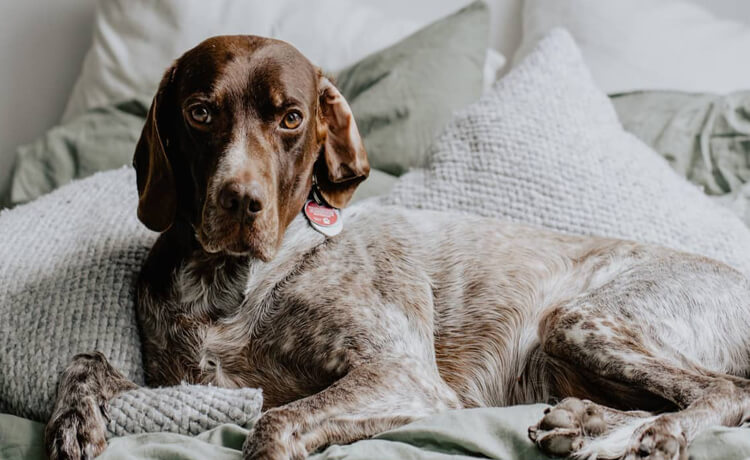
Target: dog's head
(235, 134)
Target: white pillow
(647, 44)
(545, 147)
(134, 41)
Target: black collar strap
(315, 192)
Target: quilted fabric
(69, 263)
(545, 147)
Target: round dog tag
(325, 219)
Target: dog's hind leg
(76, 429)
(585, 429)
(672, 335)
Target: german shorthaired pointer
(403, 314)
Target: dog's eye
(291, 120)
(200, 114)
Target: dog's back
(485, 287)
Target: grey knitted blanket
(184, 409)
(69, 263)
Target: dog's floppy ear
(157, 195)
(343, 164)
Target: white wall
(42, 44)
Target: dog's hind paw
(659, 439)
(564, 428)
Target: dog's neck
(215, 285)
(179, 248)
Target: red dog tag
(325, 219)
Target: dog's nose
(241, 200)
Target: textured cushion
(69, 263)
(647, 44)
(135, 40)
(545, 147)
(184, 409)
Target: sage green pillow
(404, 95)
(100, 139)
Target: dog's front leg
(76, 429)
(371, 398)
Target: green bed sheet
(496, 433)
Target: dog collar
(322, 217)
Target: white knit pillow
(545, 147)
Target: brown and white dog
(405, 313)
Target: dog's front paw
(274, 437)
(76, 432)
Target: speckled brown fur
(404, 314)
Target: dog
(404, 313)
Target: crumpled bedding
(496, 433)
(704, 137)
